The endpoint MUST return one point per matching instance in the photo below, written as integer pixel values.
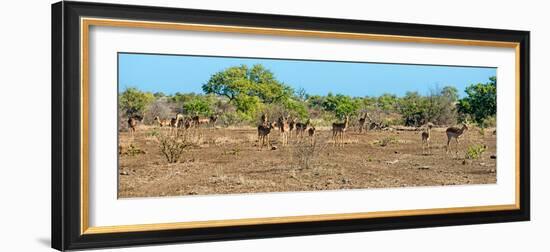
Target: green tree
(369, 103)
(229, 82)
(315, 101)
(198, 106)
(412, 108)
(159, 94)
(297, 108)
(182, 98)
(387, 102)
(242, 81)
(247, 105)
(133, 101)
(341, 105)
(447, 99)
(481, 100)
(450, 93)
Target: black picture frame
(66, 141)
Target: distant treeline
(240, 94)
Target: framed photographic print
(181, 125)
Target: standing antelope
(339, 130)
(311, 134)
(197, 120)
(301, 128)
(161, 123)
(187, 123)
(284, 128)
(263, 134)
(264, 121)
(455, 132)
(426, 138)
(213, 120)
(362, 121)
(176, 122)
(292, 126)
(132, 123)
(173, 123)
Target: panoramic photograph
(203, 125)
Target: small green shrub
(475, 151)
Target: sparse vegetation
(236, 154)
(475, 151)
(229, 153)
(154, 132)
(173, 146)
(306, 154)
(387, 141)
(132, 150)
(481, 131)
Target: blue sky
(179, 73)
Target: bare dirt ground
(228, 160)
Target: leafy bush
(481, 101)
(341, 105)
(198, 106)
(235, 119)
(438, 107)
(133, 101)
(412, 108)
(387, 102)
(296, 109)
(475, 151)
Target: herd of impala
(178, 122)
(287, 126)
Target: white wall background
(25, 125)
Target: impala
(455, 132)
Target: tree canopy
(243, 92)
(242, 81)
(341, 105)
(198, 106)
(133, 101)
(481, 101)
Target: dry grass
(228, 161)
(307, 152)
